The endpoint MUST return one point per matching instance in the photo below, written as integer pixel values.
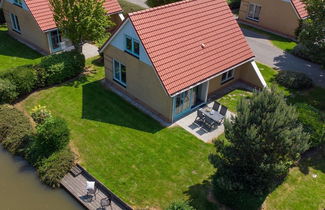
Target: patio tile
(188, 123)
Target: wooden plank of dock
(76, 185)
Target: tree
(81, 20)
(263, 142)
(312, 35)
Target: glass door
(182, 102)
(55, 40)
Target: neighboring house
(172, 58)
(32, 23)
(280, 16)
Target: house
(279, 16)
(172, 58)
(32, 22)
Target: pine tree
(263, 141)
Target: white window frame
(119, 78)
(254, 10)
(15, 23)
(132, 51)
(18, 2)
(229, 76)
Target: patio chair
(91, 189)
(210, 123)
(200, 116)
(216, 106)
(223, 112)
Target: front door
(55, 40)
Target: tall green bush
(23, 77)
(15, 129)
(8, 91)
(294, 80)
(57, 68)
(53, 168)
(180, 205)
(263, 141)
(53, 135)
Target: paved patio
(188, 123)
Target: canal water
(21, 189)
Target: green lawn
(145, 164)
(14, 53)
(231, 99)
(278, 41)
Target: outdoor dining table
(214, 115)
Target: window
(55, 40)
(15, 23)
(132, 46)
(254, 12)
(119, 72)
(227, 76)
(18, 2)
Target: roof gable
(41, 10)
(119, 40)
(190, 41)
(299, 6)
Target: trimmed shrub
(53, 135)
(155, 3)
(8, 91)
(234, 4)
(293, 80)
(180, 205)
(57, 68)
(23, 77)
(15, 128)
(40, 114)
(53, 168)
(2, 17)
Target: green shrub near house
(23, 77)
(180, 205)
(294, 80)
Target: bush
(155, 3)
(40, 114)
(15, 128)
(312, 55)
(57, 68)
(8, 91)
(180, 205)
(23, 77)
(52, 136)
(53, 168)
(293, 80)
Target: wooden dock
(76, 186)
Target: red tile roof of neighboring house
(41, 10)
(190, 41)
(300, 8)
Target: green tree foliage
(263, 141)
(312, 35)
(53, 135)
(81, 20)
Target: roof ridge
(161, 7)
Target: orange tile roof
(190, 41)
(300, 8)
(41, 10)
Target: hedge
(15, 129)
(53, 69)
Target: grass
(300, 190)
(278, 41)
(14, 53)
(143, 163)
(231, 99)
